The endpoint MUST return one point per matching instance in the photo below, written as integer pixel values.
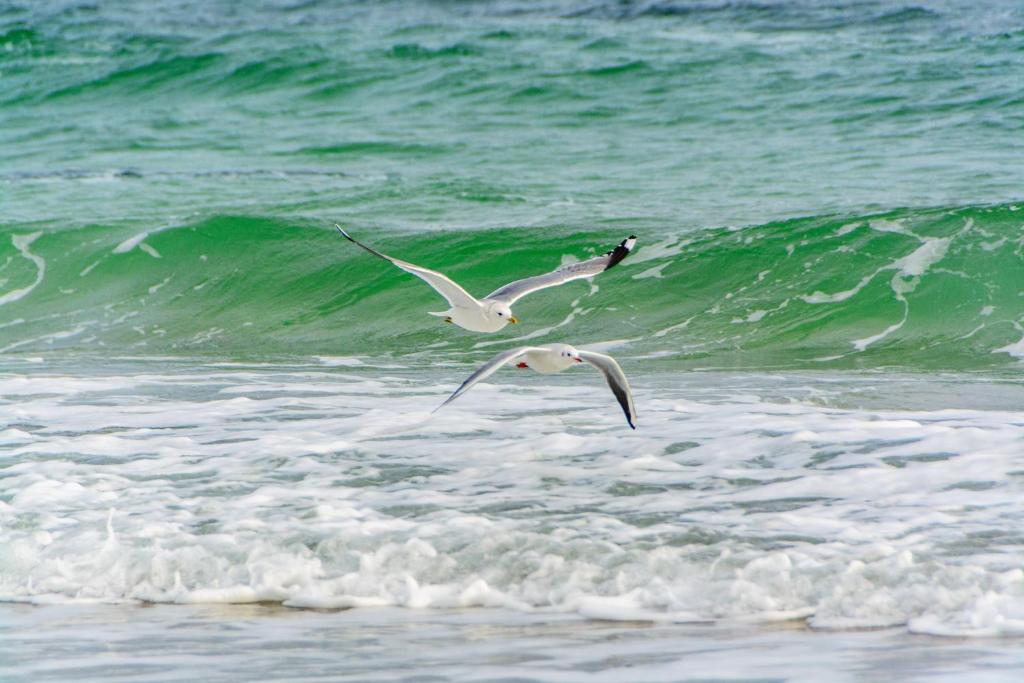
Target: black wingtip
(343, 233)
(620, 252)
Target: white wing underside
(456, 296)
(616, 381)
(574, 271)
(486, 370)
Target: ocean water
(217, 446)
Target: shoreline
(236, 642)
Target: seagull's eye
(500, 314)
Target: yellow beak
(512, 319)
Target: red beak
(578, 359)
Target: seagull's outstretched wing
(574, 271)
(456, 295)
(486, 370)
(616, 380)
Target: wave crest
(935, 288)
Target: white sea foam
(861, 344)
(48, 338)
(130, 243)
(158, 286)
(885, 225)
(653, 272)
(916, 263)
(672, 246)
(1015, 349)
(22, 244)
(336, 487)
(822, 298)
(847, 228)
(909, 270)
(149, 250)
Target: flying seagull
(493, 312)
(551, 358)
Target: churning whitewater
(333, 485)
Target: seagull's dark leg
(448, 319)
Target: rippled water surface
(218, 459)
(247, 642)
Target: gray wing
(574, 271)
(616, 380)
(456, 295)
(485, 371)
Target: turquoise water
(182, 168)
(924, 289)
(207, 397)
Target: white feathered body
(492, 313)
(550, 358)
(480, 318)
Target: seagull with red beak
(552, 358)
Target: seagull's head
(503, 312)
(569, 354)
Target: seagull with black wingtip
(494, 312)
(550, 358)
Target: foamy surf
(336, 488)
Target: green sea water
(208, 397)
(813, 184)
